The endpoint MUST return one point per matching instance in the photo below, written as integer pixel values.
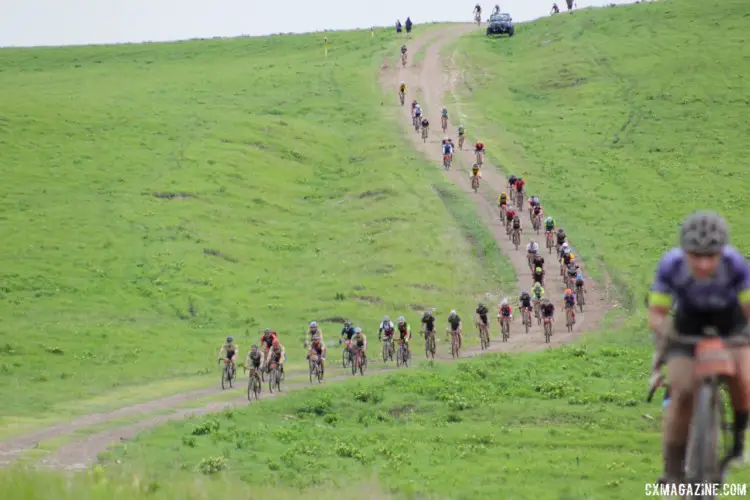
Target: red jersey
(506, 310)
(520, 185)
(268, 339)
(509, 214)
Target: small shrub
(212, 465)
(207, 427)
(188, 441)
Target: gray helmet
(358, 330)
(704, 233)
(230, 339)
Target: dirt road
(431, 80)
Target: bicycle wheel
(405, 355)
(355, 362)
(385, 352)
(547, 332)
(225, 377)
(345, 358)
(271, 380)
(311, 369)
(279, 377)
(362, 365)
(702, 458)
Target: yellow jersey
(402, 87)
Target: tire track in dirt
(432, 81)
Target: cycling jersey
(510, 215)
(516, 223)
(444, 113)
(404, 330)
(549, 225)
(570, 300)
(505, 311)
(425, 123)
(547, 310)
(254, 360)
(229, 349)
(538, 293)
(461, 131)
(715, 301)
(454, 322)
(387, 327)
(268, 339)
(474, 171)
(561, 238)
(447, 149)
(525, 300)
(347, 332)
(429, 322)
(482, 312)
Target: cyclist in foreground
(505, 311)
(476, 172)
(318, 348)
(708, 281)
(428, 322)
(502, 200)
(448, 148)
(479, 151)
(314, 330)
(254, 358)
(524, 302)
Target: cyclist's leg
(680, 376)
(739, 388)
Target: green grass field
(158, 197)
(625, 119)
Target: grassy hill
(627, 118)
(159, 197)
(561, 424)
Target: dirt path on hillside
(431, 81)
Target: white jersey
(387, 326)
(532, 247)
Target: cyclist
(520, 183)
(266, 340)
(538, 275)
(537, 261)
(359, 341)
(504, 311)
(524, 302)
(482, 318)
(403, 53)
(548, 310)
(579, 281)
(561, 236)
(708, 281)
(346, 335)
(532, 250)
(572, 269)
(444, 113)
(475, 172)
(479, 147)
(414, 104)
(404, 332)
(448, 147)
(537, 211)
(461, 134)
(502, 200)
(418, 111)
(534, 201)
(477, 11)
(402, 88)
(313, 330)
(511, 182)
(318, 347)
(569, 299)
(425, 123)
(277, 354)
(428, 320)
(517, 223)
(510, 214)
(230, 350)
(537, 293)
(387, 327)
(254, 358)
(549, 224)
(455, 323)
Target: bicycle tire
(224, 377)
(701, 459)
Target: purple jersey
(723, 292)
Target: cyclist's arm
(222, 351)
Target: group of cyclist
(571, 271)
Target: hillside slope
(159, 197)
(632, 116)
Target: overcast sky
(75, 22)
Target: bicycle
(516, 237)
(569, 318)
(388, 350)
(424, 133)
(455, 348)
(505, 328)
(403, 59)
(580, 296)
(550, 241)
(526, 319)
(254, 385)
(519, 198)
(429, 344)
(359, 362)
(536, 223)
(537, 312)
(402, 356)
(714, 367)
(478, 19)
(480, 157)
(274, 377)
(346, 357)
(447, 161)
(484, 335)
(547, 329)
(461, 142)
(316, 368)
(401, 96)
(228, 373)
(475, 183)
(417, 122)
(502, 212)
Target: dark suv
(500, 24)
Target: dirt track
(431, 81)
